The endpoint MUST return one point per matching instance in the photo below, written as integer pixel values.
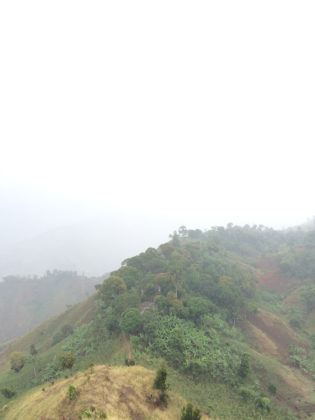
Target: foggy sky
(196, 113)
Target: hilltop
(104, 392)
(230, 311)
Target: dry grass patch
(123, 393)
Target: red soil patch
(270, 277)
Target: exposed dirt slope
(270, 277)
(272, 339)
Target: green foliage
(17, 361)
(161, 385)
(129, 362)
(72, 392)
(263, 403)
(272, 388)
(66, 360)
(246, 393)
(191, 350)
(130, 275)
(295, 323)
(7, 393)
(111, 323)
(244, 368)
(160, 379)
(111, 288)
(309, 298)
(33, 350)
(131, 321)
(125, 301)
(190, 413)
(64, 332)
(196, 307)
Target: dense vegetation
(195, 302)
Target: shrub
(272, 389)
(33, 350)
(129, 362)
(66, 360)
(295, 323)
(17, 360)
(263, 403)
(244, 366)
(160, 379)
(246, 393)
(161, 385)
(64, 332)
(72, 392)
(111, 323)
(190, 413)
(8, 393)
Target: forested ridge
(210, 305)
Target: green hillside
(26, 302)
(230, 311)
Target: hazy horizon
(168, 114)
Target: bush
(72, 392)
(272, 389)
(190, 413)
(111, 323)
(246, 394)
(66, 360)
(8, 393)
(160, 379)
(129, 362)
(17, 360)
(295, 323)
(64, 332)
(244, 366)
(160, 384)
(263, 404)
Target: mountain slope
(214, 306)
(26, 302)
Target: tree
(111, 288)
(190, 413)
(17, 361)
(161, 385)
(111, 323)
(160, 379)
(244, 366)
(130, 275)
(33, 350)
(131, 321)
(66, 360)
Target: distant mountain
(25, 303)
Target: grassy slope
(120, 392)
(41, 336)
(25, 303)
